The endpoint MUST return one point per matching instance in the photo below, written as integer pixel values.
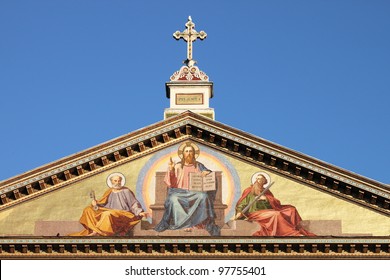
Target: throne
(161, 194)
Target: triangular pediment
(333, 202)
(217, 136)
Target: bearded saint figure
(117, 212)
(186, 209)
(274, 218)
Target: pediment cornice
(247, 147)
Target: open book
(202, 184)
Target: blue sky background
(312, 76)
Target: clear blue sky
(313, 76)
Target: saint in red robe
(274, 219)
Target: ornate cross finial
(189, 35)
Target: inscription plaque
(189, 99)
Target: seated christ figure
(184, 208)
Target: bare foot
(94, 233)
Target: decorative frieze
(55, 179)
(92, 165)
(80, 170)
(223, 143)
(153, 142)
(17, 194)
(105, 160)
(42, 184)
(117, 156)
(29, 189)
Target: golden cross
(189, 35)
